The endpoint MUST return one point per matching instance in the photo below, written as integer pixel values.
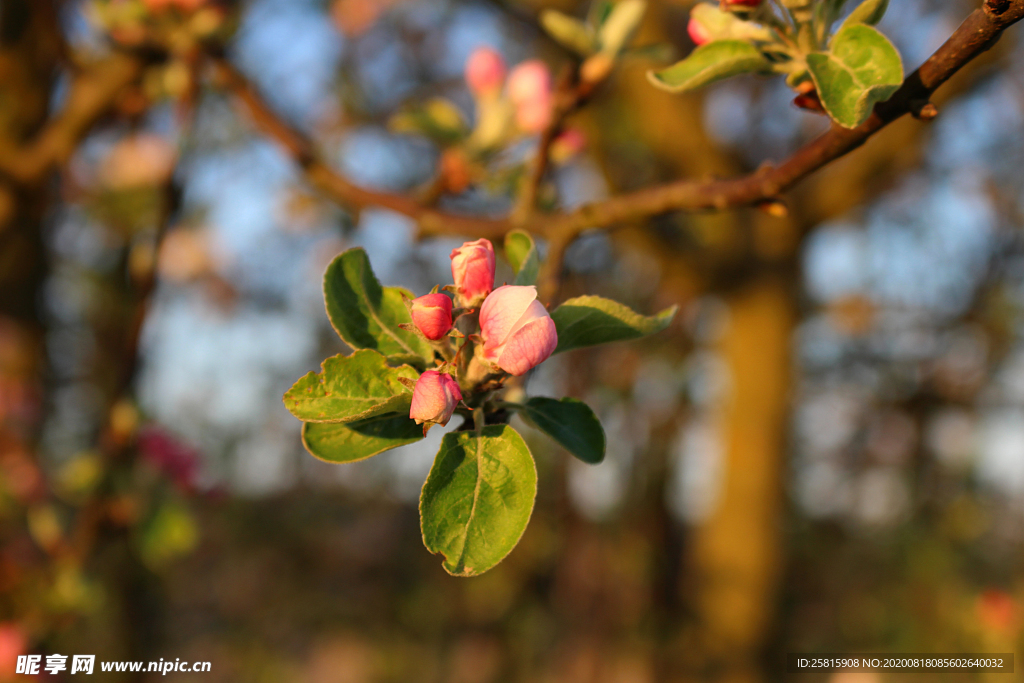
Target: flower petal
(502, 310)
(529, 346)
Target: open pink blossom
(517, 331)
(698, 34)
(434, 398)
(432, 315)
(529, 90)
(473, 272)
(485, 72)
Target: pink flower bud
(698, 34)
(567, 145)
(743, 3)
(473, 271)
(529, 89)
(518, 333)
(485, 72)
(432, 314)
(434, 398)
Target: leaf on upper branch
(521, 253)
(599, 12)
(617, 30)
(709, 63)
(868, 12)
(722, 25)
(571, 33)
(571, 423)
(350, 388)
(861, 69)
(366, 315)
(590, 320)
(336, 442)
(478, 498)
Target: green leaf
(438, 119)
(478, 498)
(568, 32)
(335, 442)
(599, 12)
(621, 24)
(590, 320)
(861, 69)
(521, 253)
(722, 25)
(569, 422)
(868, 12)
(366, 315)
(709, 63)
(350, 388)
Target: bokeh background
(825, 452)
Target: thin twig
(977, 33)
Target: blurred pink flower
(743, 3)
(473, 271)
(434, 398)
(138, 161)
(432, 314)
(485, 72)
(174, 459)
(529, 89)
(518, 333)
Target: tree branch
(92, 93)
(977, 33)
(333, 184)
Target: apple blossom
(434, 398)
(432, 315)
(473, 271)
(517, 331)
(485, 72)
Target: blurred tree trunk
(29, 57)
(733, 560)
(736, 553)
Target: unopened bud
(485, 72)
(432, 315)
(434, 399)
(597, 67)
(473, 272)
